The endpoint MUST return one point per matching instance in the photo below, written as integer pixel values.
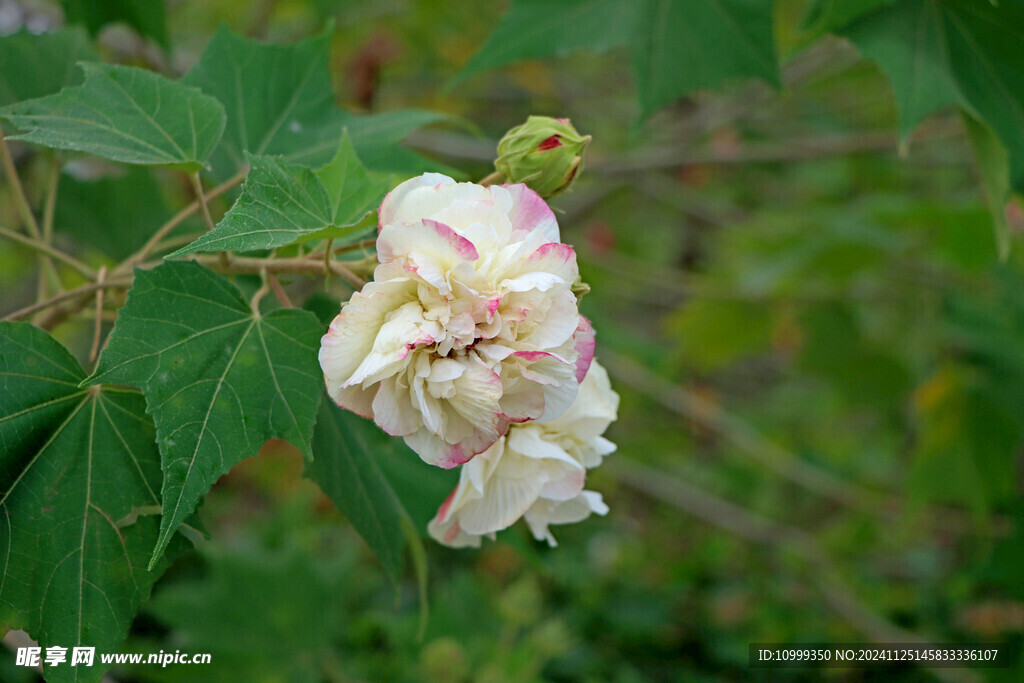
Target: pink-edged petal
(477, 392)
(530, 212)
(449, 533)
(429, 249)
(559, 384)
(522, 401)
(403, 330)
(471, 206)
(584, 344)
(550, 265)
(554, 324)
(416, 197)
(353, 332)
(356, 399)
(434, 451)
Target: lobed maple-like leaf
(124, 114)
(282, 203)
(280, 102)
(219, 379)
(38, 65)
(79, 470)
(952, 52)
(346, 447)
(676, 46)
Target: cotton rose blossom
(536, 471)
(470, 323)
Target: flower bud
(544, 153)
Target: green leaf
(677, 47)
(351, 191)
(74, 465)
(923, 46)
(985, 53)
(994, 171)
(280, 101)
(829, 15)
(124, 114)
(346, 469)
(282, 203)
(37, 65)
(534, 29)
(685, 46)
(218, 380)
(377, 140)
(279, 98)
(420, 487)
(148, 17)
(115, 214)
(908, 43)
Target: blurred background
(819, 352)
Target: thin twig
(83, 291)
(149, 247)
(49, 209)
(238, 265)
(254, 304)
(492, 179)
(279, 292)
(297, 266)
(95, 350)
(327, 254)
(47, 271)
(355, 246)
(197, 186)
(20, 198)
(176, 242)
(43, 248)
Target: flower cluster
(468, 343)
(535, 471)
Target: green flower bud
(544, 153)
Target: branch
(43, 248)
(279, 292)
(197, 185)
(492, 179)
(143, 253)
(98, 324)
(80, 292)
(47, 271)
(295, 266)
(24, 207)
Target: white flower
(470, 324)
(536, 471)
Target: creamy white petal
(416, 198)
(353, 333)
(470, 325)
(537, 471)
